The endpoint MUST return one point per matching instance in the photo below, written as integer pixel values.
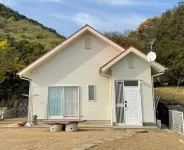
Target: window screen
(130, 83)
(91, 92)
(87, 43)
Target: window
(91, 92)
(87, 43)
(63, 101)
(131, 64)
(130, 83)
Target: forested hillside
(22, 40)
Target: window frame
(90, 100)
(63, 117)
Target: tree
(125, 39)
(147, 29)
(170, 42)
(27, 51)
(7, 61)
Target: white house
(89, 77)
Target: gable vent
(87, 43)
(131, 63)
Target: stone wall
(21, 108)
(11, 113)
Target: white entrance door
(133, 113)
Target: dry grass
(172, 95)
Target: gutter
(110, 93)
(153, 95)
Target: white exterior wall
(142, 71)
(76, 66)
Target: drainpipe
(30, 115)
(110, 94)
(152, 77)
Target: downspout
(30, 105)
(153, 93)
(110, 94)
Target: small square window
(92, 92)
(87, 43)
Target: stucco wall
(142, 71)
(76, 66)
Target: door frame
(139, 87)
(63, 117)
(118, 124)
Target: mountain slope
(7, 13)
(22, 40)
(16, 27)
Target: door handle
(126, 105)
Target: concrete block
(56, 127)
(72, 127)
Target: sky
(67, 16)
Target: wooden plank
(50, 122)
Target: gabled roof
(65, 43)
(155, 65)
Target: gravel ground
(42, 139)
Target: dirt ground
(146, 141)
(16, 138)
(42, 139)
(11, 121)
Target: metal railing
(176, 121)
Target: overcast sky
(67, 16)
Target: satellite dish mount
(151, 56)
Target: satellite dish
(151, 56)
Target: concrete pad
(88, 146)
(98, 142)
(109, 139)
